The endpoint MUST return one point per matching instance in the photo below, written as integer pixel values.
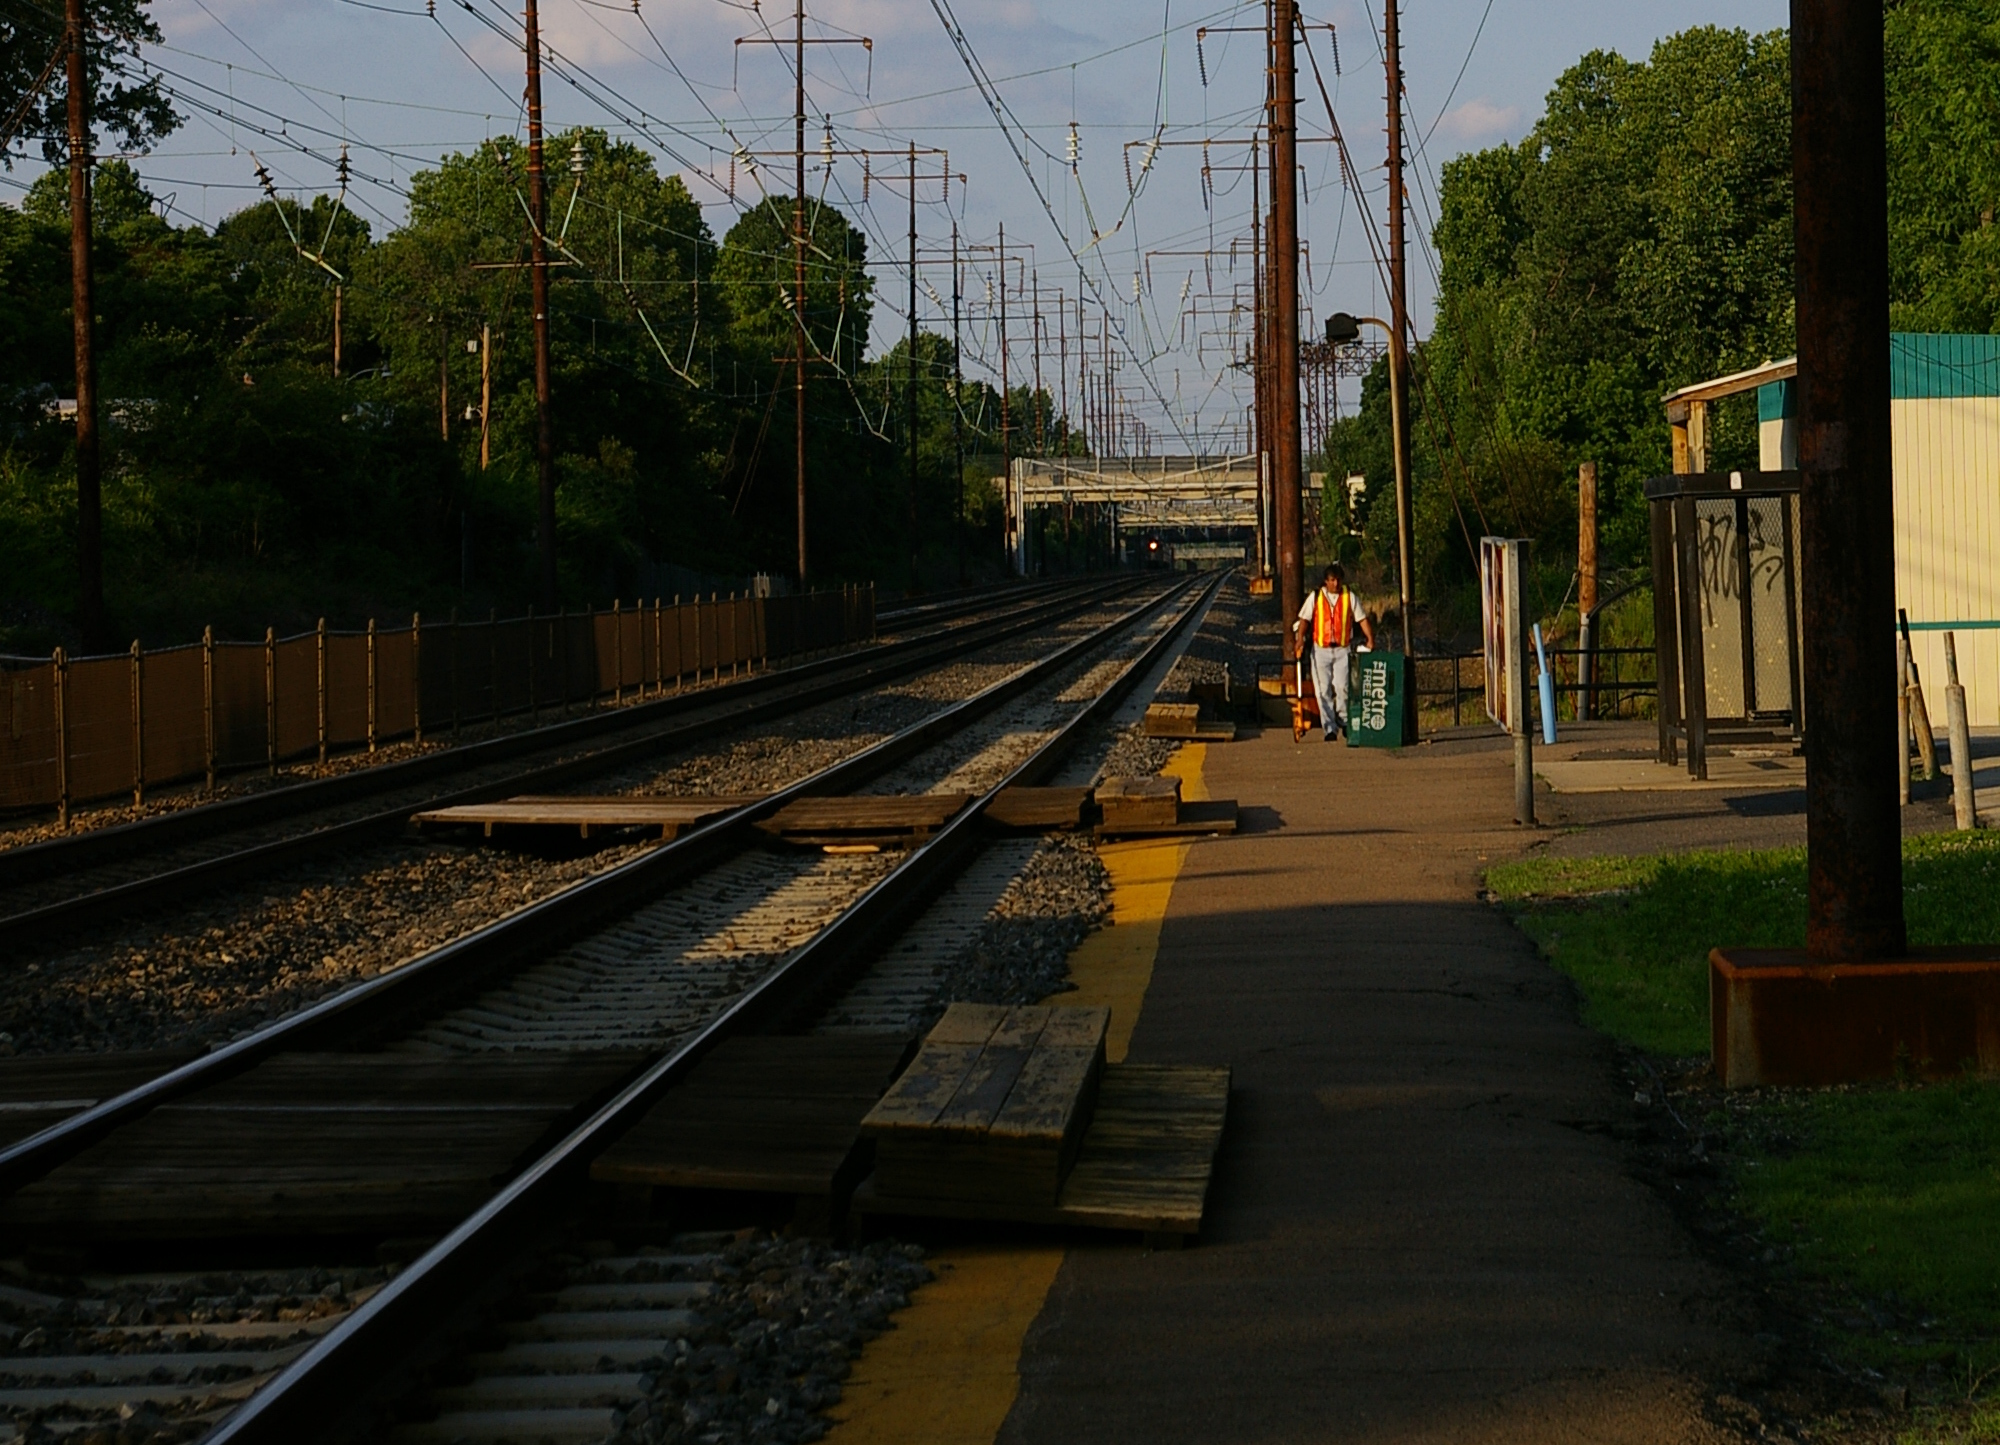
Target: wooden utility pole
(910, 381)
(83, 313)
(957, 406)
(1854, 864)
(538, 255)
(1285, 459)
(1399, 346)
(336, 330)
(799, 270)
(485, 392)
(1260, 358)
(1586, 538)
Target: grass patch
(1635, 933)
(1891, 1193)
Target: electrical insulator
(1334, 36)
(340, 168)
(1075, 145)
(1200, 60)
(826, 147)
(989, 290)
(576, 159)
(1135, 285)
(867, 177)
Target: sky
(1154, 241)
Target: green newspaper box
(1375, 701)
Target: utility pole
(910, 382)
(1285, 309)
(485, 392)
(1854, 865)
(1041, 422)
(545, 441)
(336, 330)
(83, 312)
(799, 270)
(1005, 428)
(1399, 349)
(1260, 371)
(957, 405)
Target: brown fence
(75, 729)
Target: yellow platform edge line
(949, 1371)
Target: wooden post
(271, 701)
(680, 671)
(618, 648)
(1586, 589)
(534, 692)
(371, 685)
(1964, 813)
(59, 666)
(1697, 436)
(417, 678)
(138, 725)
(1902, 721)
(659, 648)
(590, 650)
(322, 691)
(208, 703)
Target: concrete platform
(1420, 1228)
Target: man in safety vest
(1332, 613)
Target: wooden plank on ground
(890, 818)
(1216, 815)
(1130, 802)
(1039, 809)
(1145, 1163)
(1172, 719)
(587, 814)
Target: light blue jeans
(1330, 669)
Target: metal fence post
(493, 662)
(371, 685)
(417, 677)
(271, 701)
(454, 674)
(322, 691)
(618, 650)
(534, 690)
(562, 656)
(59, 664)
(138, 726)
(659, 649)
(208, 703)
(679, 670)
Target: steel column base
(1777, 1017)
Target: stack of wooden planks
(1135, 807)
(994, 1106)
(1183, 720)
(864, 822)
(776, 1115)
(1012, 1114)
(588, 815)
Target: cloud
(1479, 120)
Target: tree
(125, 102)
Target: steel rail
(319, 1395)
(377, 1005)
(263, 858)
(32, 861)
(958, 604)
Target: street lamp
(1341, 330)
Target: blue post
(1548, 690)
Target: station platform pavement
(1420, 1229)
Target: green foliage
(247, 484)
(122, 100)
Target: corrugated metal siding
(1947, 470)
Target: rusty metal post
(534, 689)
(271, 701)
(208, 704)
(59, 670)
(138, 725)
(322, 691)
(1854, 861)
(1287, 504)
(371, 685)
(417, 678)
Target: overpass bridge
(1206, 494)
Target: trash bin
(1375, 686)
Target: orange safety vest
(1333, 622)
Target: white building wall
(1947, 485)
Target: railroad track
(53, 888)
(595, 1002)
